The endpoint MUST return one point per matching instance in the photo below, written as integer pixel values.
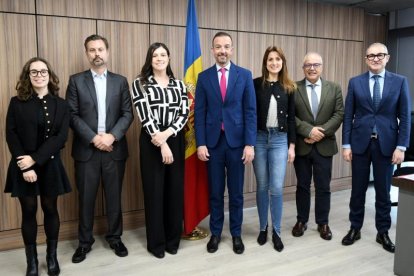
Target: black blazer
(285, 107)
(22, 128)
(81, 97)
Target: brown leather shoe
(325, 232)
(299, 229)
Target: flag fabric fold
(196, 203)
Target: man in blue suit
(225, 127)
(376, 130)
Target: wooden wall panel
(251, 48)
(61, 43)
(217, 14)
(329, 21)
(294, 49)
(120, 10)
(13, 56)
(276, 17)
(20, 6)
(168, 12)
(348, 65)
(128, 40)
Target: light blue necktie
(314, 101)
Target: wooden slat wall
(56, 29)
(21, 6)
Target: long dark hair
(146, 70)
(283, 76)
(24, 85)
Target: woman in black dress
(37, 126)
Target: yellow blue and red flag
(196, 206)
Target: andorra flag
(196, 206)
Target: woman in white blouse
(162, 105)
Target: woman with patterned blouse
(162, 105)
(37, 125)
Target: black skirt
(52, 180)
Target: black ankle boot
(262, 238)
(31, 259)
(51, 258)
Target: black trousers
(89, 174)
(163, 193)
(321, 168)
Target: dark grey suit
(91, 164)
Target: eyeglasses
(35, 73)
(379, 56)
(310, 65)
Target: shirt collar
(318, 83)
(94, 74)
(218, 67)
(382, 74)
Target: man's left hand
(397, 156)
(248, 154)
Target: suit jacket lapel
(109, 89)
(324, 94)
(214, 81)
(365, 88)
(304, 95)
(91, 87)
(233, 75)
(386, 89)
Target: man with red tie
(225, 126)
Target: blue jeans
(270, 168)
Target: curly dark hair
(24, 85)
(146, 70)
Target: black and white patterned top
(160, 108)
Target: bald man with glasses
(376, 131)
(319, 111)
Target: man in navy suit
(376, 130)
(225, 127)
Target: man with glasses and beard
(376, 130)
(101, 113)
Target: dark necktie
(314, 100)
(376, 95)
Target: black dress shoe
(325, 232)
(387, 244)
(171, 251)
(277, 242)
(119, 249)
(158, 255)
(352, 236)
(262, 238)
(238, 246)
(80, 254)
(299, 229)
(212, 245)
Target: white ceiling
(373, 6)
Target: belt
(374, 135)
